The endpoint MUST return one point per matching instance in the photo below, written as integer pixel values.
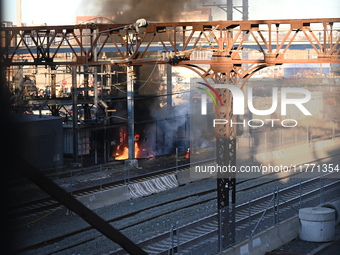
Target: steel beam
(245, 10)
(131, 112)
(87, 42)
(169, 87)
(229, 10)
(74, 114)
(226, 183)
(54, 109)
(74, 205)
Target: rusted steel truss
(177, 40)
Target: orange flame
(123, 154)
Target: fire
(122, 154)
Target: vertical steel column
(169, 86)
(74, 114)
(95, 78)
(229, 9)
(87, 111)
(226, 182)
(131, 114)
(95, 87)
(54, 109)
(245, 10)
(53, 83)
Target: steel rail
(242, 208)
(46, 204)
(207, 228)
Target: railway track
(207, 228)
(47, 204)
(128, 215)
(211, 224)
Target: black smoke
(128, 11)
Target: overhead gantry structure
(178, 43)
(132, 45)
(175, 43)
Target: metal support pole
(249, 218)
(300, 200)
(54, 109)
(226, 183)
(53, 83)
(177, 238)
(321, 191)
(245, 10)
(278, 205)
(229, 9)
(74, 114)
(105, 141)
(172, 237)
(220, 234)
(87, 112)
(95, 87)
(86, 81)
(169, 87)
(95, 148)
(274, 207)
(176, 161)
(174, 232)
(100, 177)
(131, 116)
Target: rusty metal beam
(74, 205)
(41, 45)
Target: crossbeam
(177, 41)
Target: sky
(65, 12)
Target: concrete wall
(183, 177)
(127, 192)
(106, 197)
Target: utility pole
(229, 10)
(228, 7)
(54, 109)
(19, 13)
(74, 114)
(132, 161)
(245, 10)
(226, 152)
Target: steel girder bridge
(175, 43)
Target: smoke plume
(128, 11)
